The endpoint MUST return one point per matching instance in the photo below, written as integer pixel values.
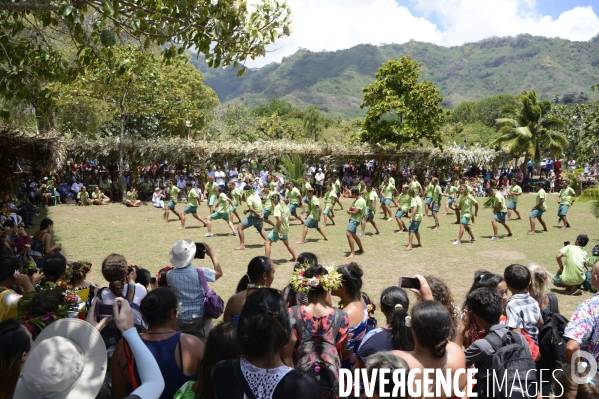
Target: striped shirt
(186, 284)
(523, 312)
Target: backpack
(552, 344)
(513, 360)
(110, 333)
(317, 354)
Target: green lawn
(91, 233)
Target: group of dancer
(413, 201)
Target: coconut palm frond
(590, 194)
(595, 208)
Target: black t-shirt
(295, 384)
(378, 340)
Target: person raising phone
(185, 282)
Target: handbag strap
(203, 279)
(130, 360)
(241, 379)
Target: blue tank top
(164, 353)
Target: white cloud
(339, 24)
(465, 21)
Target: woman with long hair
(222, 344)
(260, 273)
(431, 326)
(318, 318)
(41, 244)
(263, 330)
(442, 294)
(15, 343)
(352, 303)
(177, 354)
(395, 334)
(289, 293)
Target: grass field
(91, 233)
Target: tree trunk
(121, 158)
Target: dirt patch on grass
(507, 255)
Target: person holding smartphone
(185, 282)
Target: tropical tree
(134, 83)
(45, 42)
(529, 129)
(294, 168)
(312, 120)
(400, 108)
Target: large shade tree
(402, 109)
(34, 34)
(530, 129)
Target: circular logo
(585, 367)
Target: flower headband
(328, 282)
(78, 269)
(68, 306)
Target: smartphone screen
(200, 251)
(409, 282)
(104, 309)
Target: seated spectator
(177, 354)
(76, 276)
(41, 244)
(106, 187)
(264, 329)
(158, 198)
(571, 272)
(395, 334)
(83, 197)
(260, 274)
(132, 200)
(583, 328)
(486, 307)
(98, 197)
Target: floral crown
(78, 269)
(327, 282)
(36, 324)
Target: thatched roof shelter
(52, 151)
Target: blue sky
(339, 24)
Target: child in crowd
(523, 312)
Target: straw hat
(67, 360)
(182, 253)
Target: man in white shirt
(76, 187)
(211, 172)
(239, 183)
(258, 186)
(219, 177)
(319, 183)
(233, 173)
(264, 176)
(181, 182)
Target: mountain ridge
(333, 80)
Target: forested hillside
(334, 80)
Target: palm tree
(312, 121)
(293, 168)
(529, 129)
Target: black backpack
(317, 354)
(513, 360)
(552, 344)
